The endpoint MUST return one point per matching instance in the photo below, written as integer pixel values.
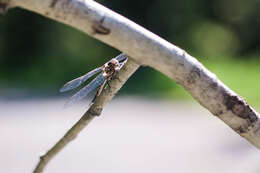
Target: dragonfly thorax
(110, 68)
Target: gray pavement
(132, 135)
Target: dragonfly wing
(121, 57)
(78, 81)
(91, 73)
(122, 64)
(99, 80)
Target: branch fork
(148, 49)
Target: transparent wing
(121, 57)
(78, 81)
(122, 63)
(99, 80)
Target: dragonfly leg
(115, 76)
(108, 84)
(99, 91)
(112, 78)
(95, 97)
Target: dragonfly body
(109, 70)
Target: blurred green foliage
(38, 53)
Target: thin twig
(95, 110)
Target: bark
(149, 49)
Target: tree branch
(149, 49)
(95, 110)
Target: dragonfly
(109, 70)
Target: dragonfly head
(111, 67)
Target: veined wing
(121, 57)
(100, 79)
(78, 81)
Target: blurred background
(38, 55)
